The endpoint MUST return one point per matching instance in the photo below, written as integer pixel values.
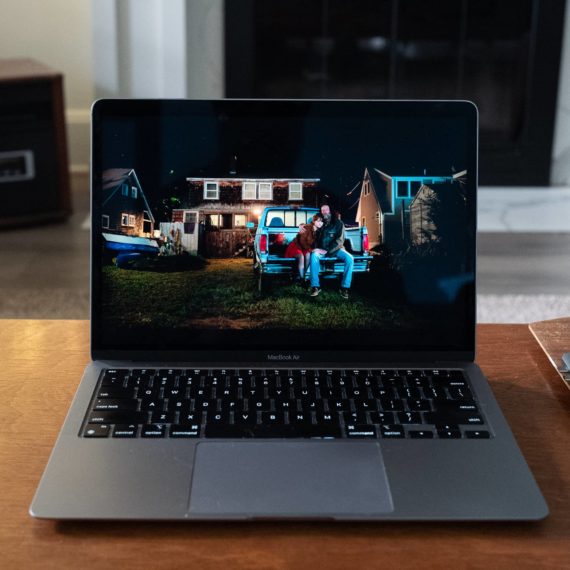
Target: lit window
(295, 190)
(131, 220)
(124, 219)
(211, 191)
(240, 220)
(248, 191)
(105, 222)
(134, 192)
(265, 191)
(214, 220)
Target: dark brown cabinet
(34, 172)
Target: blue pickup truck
(278, 226)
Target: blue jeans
(341, 254)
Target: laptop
(283, 320)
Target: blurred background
(512, 58)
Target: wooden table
(40, 366)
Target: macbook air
(283, 320)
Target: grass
(224, 294)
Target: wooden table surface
(41, 363)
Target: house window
(134, 192)
(147, 222)
(248, 191)
(254, 191)
(190, 217)
(127, 220)
(366, 189)
(415, 187)
(211, 191)
(125, 190)
(105, 222)
(265, 191)
(295, 190)
(377, 217)
(363, 223)
(214, 220)
(402, 189)
(240, 220)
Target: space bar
(268, 431)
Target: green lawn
(224, 294)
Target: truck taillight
(263, 244)
(365, 243)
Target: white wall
(57, 33)
(158, 48)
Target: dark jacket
(331, 236)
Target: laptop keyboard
(326, 404)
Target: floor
(522, 277)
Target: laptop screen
(284, 226)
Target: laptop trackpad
(301, 478)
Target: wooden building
(125, 209)
(422, 226)
(384, 206)
(374, 202)
(216, 212)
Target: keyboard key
(321, 432)
(392, 431)
(477, 434)
(122, 405)
(409, 417)
(96, 430)
(272, 418)
(455, 406)
(462, 393)
(116, 393)
(163, 417)
(382, 417)
(153, 430)
(118, 417)
(357, 418)
(449, 434)
(419, 405)
(421, 434)
(452, 418)
(190, 418)
(389, 405)
(229, 430)
(245, 418)
(187, 430)
(125, 430)
(361, 431)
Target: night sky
(166, 149)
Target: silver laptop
(283, 320)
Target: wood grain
(41, 364)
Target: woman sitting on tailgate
(302, 246)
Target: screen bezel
(107, 108)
